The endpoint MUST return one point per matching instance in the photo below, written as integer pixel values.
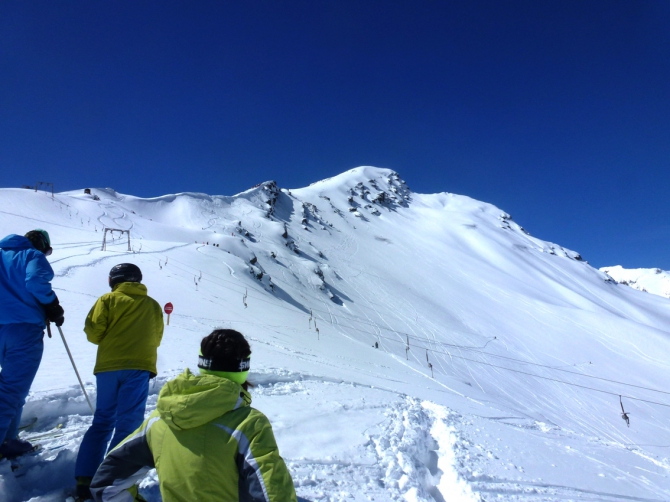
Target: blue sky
(558, 112)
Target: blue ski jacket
(25, 282)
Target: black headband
(234, 366)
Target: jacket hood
(190, 400)
(131, 288)
(15, 242)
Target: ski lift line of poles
(475, 349)
(507, 358)
(453, 356)
(479, 351)
(524, 362)
(538, 376)
(420, 341)
(545, 378)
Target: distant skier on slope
(27, 302)
(204, 439)
(127, 326)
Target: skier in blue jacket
(27, 302)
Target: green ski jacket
(127, 327)
(207, 444)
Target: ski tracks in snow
(66, 270)
(115, 219)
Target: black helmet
(124, 272)
(40, 240)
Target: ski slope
(405, 346)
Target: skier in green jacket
(127, 327)
(204, 439)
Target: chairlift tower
(111, 231)
(46, 184)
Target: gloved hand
(54, 312)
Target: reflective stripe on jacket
(207, 444)
(127, 326)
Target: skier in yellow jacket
(127, 327)
(204, 439)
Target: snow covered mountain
(405, 346)
(649, 280)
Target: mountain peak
(357, 175)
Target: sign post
(168, 310)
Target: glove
(54, 312)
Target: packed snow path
(406, 346)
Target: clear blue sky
(558, 112)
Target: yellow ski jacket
(127, 327)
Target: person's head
(40, 240)
(225, 353)
(124, 272)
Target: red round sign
(168, 308)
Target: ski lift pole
(75, 369)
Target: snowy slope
(649, 280)
(500, 358)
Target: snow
(530, 346)
(649, 280)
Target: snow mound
(649, 280)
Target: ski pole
(75, 369)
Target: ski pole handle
(49, 329)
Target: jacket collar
(131, 288)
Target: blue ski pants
(21, 348)
(120, 404)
